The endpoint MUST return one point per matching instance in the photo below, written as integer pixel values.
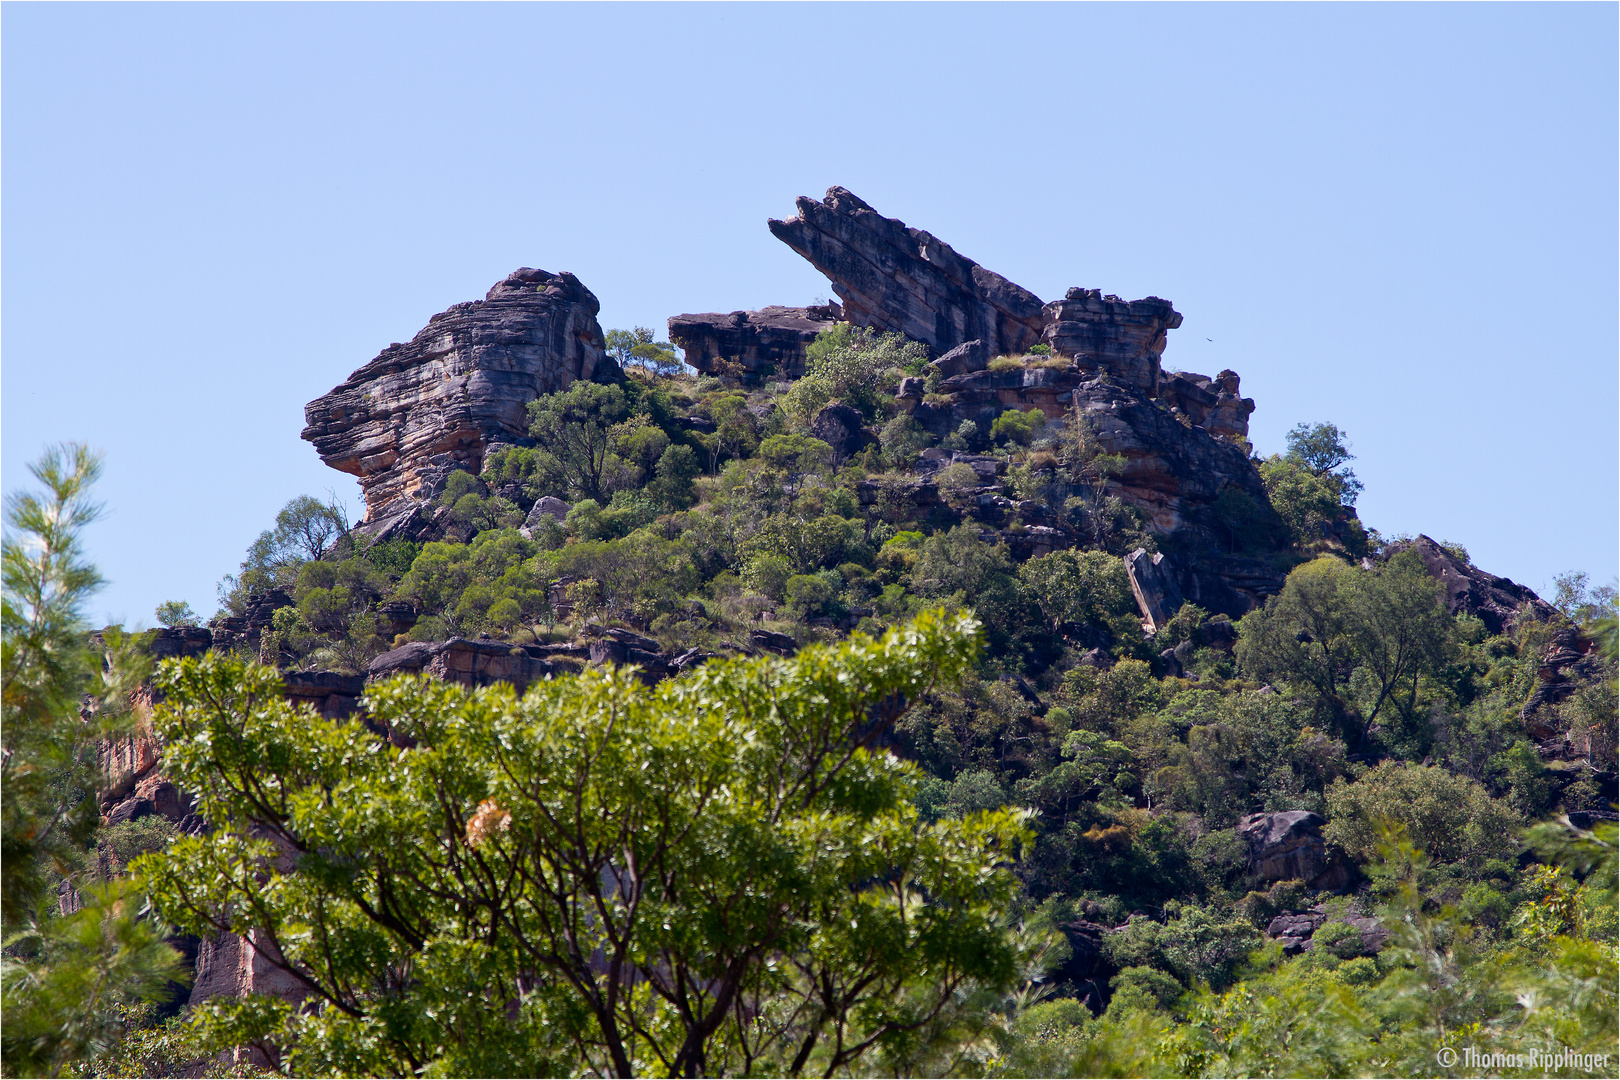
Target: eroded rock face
(420, 410)
(1105, 333)
(771, 340)
(1173, 473)
(894, 278)
(1212, 404)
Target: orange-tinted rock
(424, 409)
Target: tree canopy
(714, 875)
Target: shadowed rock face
(422, 409)
(770, 339)
(894, 278)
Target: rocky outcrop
(1296, 931)
(1105, 333)
(1212, 404)
(1495, 601)
(421, 410)
(459, 660)
(1288, 846)
(1569, 661)
(894, 278)
(771, 340)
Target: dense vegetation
(1053, 781)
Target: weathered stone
(1496, 601)
(968, 357)
(435, 404)
(1107, 334)
(771, 641)
(1212, 404)
(471, 663)
(548, 507)
(1569, 661)
(1295, 929)
(1157, 595)
(1288, 846)
(840, 427)
(771, 340)
(894, 278)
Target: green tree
(1323, 451)
(176, 613)
(67, 977)
(1080, 587)
(638, 348)
(853, 372)
(711, 876)
(305, 529)
(574, 432)
(1360, 640)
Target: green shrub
(1017, 427)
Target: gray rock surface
(548, 507)
(422, 409)
(840, 427)
(1288, 846)
(1154, 586)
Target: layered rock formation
(771, 340)
(894, 278)
(1105, 333)
(421, 410)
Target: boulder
(771, 641)
(771, 340)
(1294, 929)
(548, 507)
(894, 278)
(1288, 846)
(840, 427)
(426, 408)
(966, 358)
(1157, 595)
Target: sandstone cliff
(423, 409)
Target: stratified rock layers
(435, 404)
(770, 340)
(894, 278)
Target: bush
(1450, 818)
(1017, 427)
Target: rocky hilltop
(421, 410)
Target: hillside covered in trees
(930, 683)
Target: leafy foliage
(713, 875)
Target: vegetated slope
(1214, 684)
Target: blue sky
(1398, 218)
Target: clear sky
(1398, 218)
